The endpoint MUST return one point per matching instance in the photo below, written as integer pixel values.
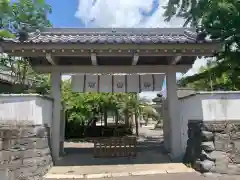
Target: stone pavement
(151, 163)
(106, 171)
(172, 176)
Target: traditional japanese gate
(104, 51)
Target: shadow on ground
(150, 150)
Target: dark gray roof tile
(116, 36)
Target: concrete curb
(107, 175)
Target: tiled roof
(113, 36)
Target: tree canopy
(14, 17)
(27, 14)
(220, 19)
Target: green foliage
(220, 19)
(83, 106)
(31, 15)
(28, 14)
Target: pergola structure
(105, 51)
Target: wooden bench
(115, 147)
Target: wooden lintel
(112, 69)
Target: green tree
(220, 19)
(83, 106)
(27, 15)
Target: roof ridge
(116, 30)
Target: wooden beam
(112, 53)
(50, 59)
(168, 46)
(135, 59)
(176, 59)
(113, 69)
(94, 59)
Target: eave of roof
(112, 36)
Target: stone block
(34, 131)
(27, 171)
(207, 136)
(208, 146)
(219, 169)
(204, 166)
(222, 163)
(214, 127)
(235, 158)
(235, 136)
(222, 142)
(36, 153)
(42, 143)
(1, 144)
(205, 156)
(230, 127)
(11, 165)
(236, 145)
(6, 174)
(40, 161)
(8, 143)
(233, 169)
(217, 155)
(5, 156)
(8, 133)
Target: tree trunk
(116, 117)
(136, 123)
(105, 117)
(126, 118)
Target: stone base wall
(24, 151)
(214, 146)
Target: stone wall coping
(27, 95)
(216, 121)
(209, 92)
(13, 123)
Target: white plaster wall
(208, 106)
(44, 109)
(26, 107)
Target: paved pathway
(152, 163)
(173, 176)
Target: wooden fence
(115, 147)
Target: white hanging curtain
(91, 83)
(77, 83)
(146, 82)
(133, 83)
(117, 83)
(105, 83)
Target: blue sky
(63, 14)
(113, 13)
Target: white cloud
(123, 13)
(128, 13)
